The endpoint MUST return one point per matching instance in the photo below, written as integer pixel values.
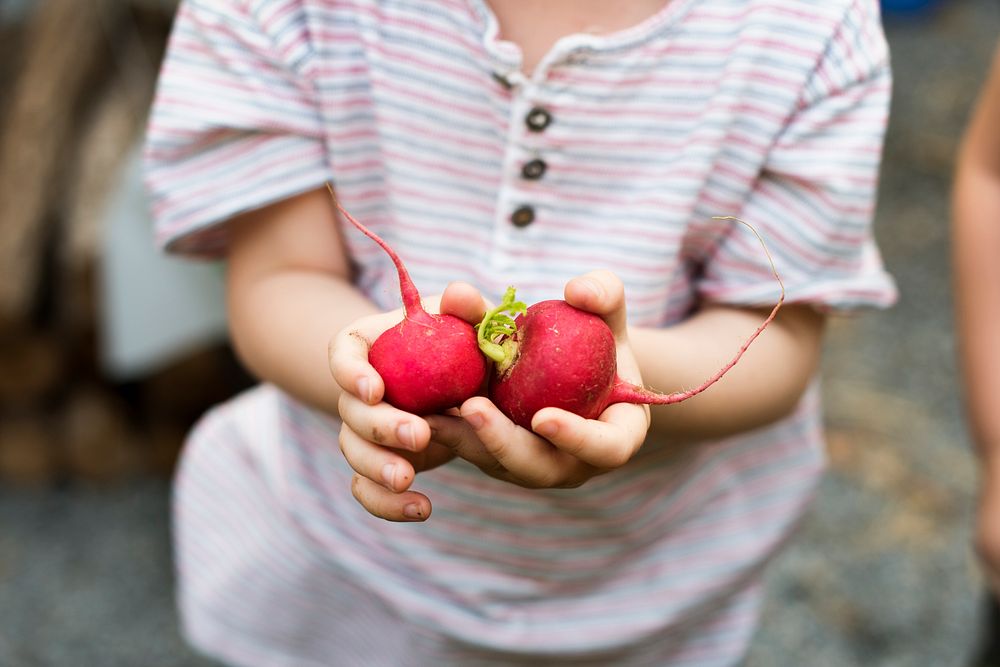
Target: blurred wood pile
(78, 80)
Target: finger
(383, 424)
(529, 460)
(458, 436)
(601, 293)
(376, 463)
(348, 359)
(380, 502)
(607, 443)
(464, 301)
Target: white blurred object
(154, 308)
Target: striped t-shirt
(616, 152)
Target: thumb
(601, 293)
(463, 301)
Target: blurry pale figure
(154, 308)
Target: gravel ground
(881, 573)
(85, 579)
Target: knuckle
(356, 489)
(577, 446)
(533, 483)
(443, 434)
(617, 457)
(344, 405)
(581, 476)
(495, 469)
(549, 479)
(499, 449)
(361, 493)
(560, 480)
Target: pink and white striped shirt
(615, 153)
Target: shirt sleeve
(814, 200)
(235, 123)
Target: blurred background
(108, 353)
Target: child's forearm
(977, 295)
(289, 294)
(764, 386)
(975, 239)
(282, 326)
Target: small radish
(555, 355)
(428, 363)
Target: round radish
(559, 357)
(556, 355)
(428, 362)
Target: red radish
(428, 363)
(559, 356)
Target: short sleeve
(814, 200)
(235, 124)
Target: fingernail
(547, 429)
(389, 475)
(475, 420)
(365, 389)
(405, 435)
(413, 511)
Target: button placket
(536, 121)
(524, 164)
(510, 198)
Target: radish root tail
(628, 393)
(407, 290)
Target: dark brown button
(538, 119)
(533, 170)
(523, 216)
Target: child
(976, 237)
(496, 143)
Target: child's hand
(564, 450)
(988, 529)
(385, 446)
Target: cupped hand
(386, 446)
(562, 450)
